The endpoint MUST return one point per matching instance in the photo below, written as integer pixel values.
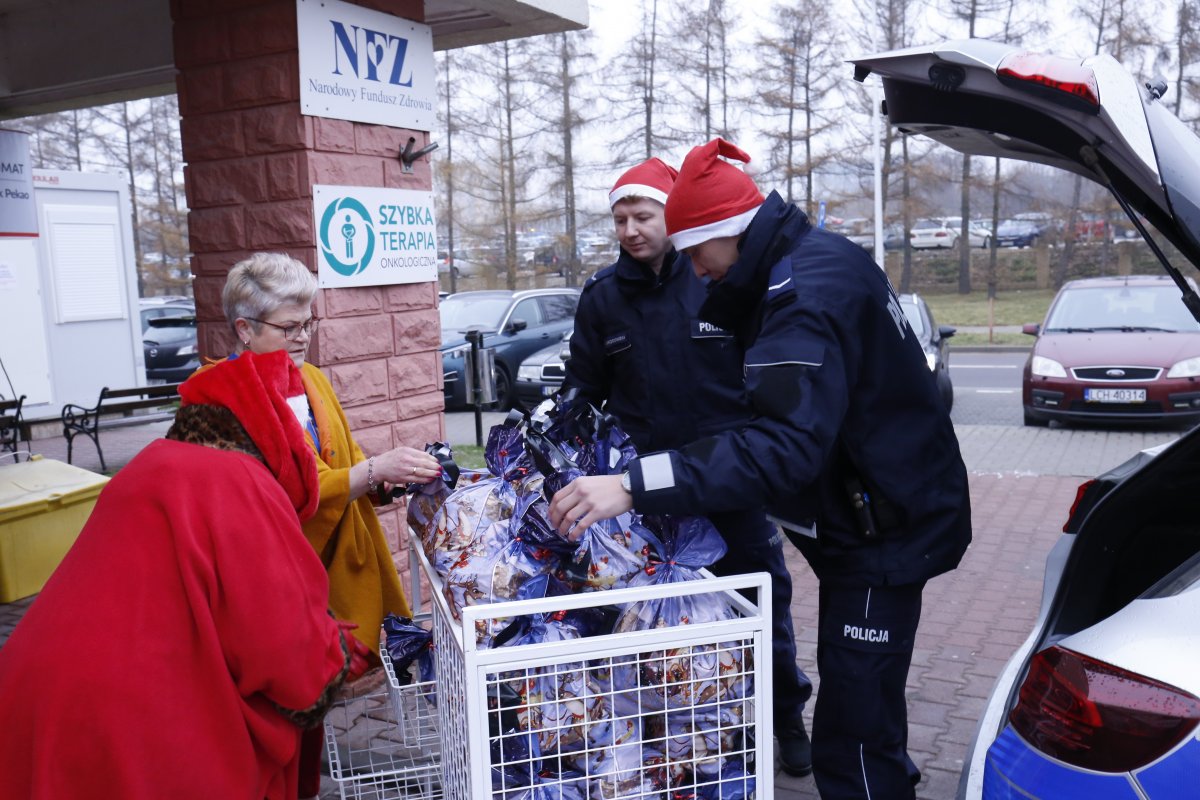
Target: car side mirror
(1031, 328)
(517, 325)
(946, 331)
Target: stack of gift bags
(669, 720)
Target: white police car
(1103, 698)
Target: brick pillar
(251, 161)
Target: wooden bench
(116, 408)
(10, 425)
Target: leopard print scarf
(213, 426)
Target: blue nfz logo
(347, 236)
(379, 54)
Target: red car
(1114, 349)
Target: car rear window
(1109, 307)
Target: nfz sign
(365, 66)
(373, 237)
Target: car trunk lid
(1129, 142)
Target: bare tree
(446, 162)
(632, 82)
(1120, 29)
(494, 121)
(971, 13)
(164, 247)
(888, 25)
(1187, 49)
(1019, 21)
(563, 70)
(796, 69)
(62, 140)
(697, 57)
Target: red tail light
(1096, 716)
(1079, 493)
(1058, 78)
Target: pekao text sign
(18, 213)
(367, 236)
(365, 66)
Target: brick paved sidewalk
(973, 617)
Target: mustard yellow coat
(363, 583)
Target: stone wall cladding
(415, 373)
(417, 331)
(360, 382)
(372, 415)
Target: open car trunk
(1086, 116)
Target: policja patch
(881, 619)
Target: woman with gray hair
(267, 301)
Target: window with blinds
(85, 262)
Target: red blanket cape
(148, 665)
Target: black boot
(795, 750)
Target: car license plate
(1114, 395)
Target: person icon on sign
(348, 231)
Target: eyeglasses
(291, 332)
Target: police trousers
(860, 725)
(758, 547)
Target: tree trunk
(570, 268)
(1068, 251)
(992, 250)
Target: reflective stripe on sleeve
(657, 472)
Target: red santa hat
(652, 178)
(711, 198)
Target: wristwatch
(625, 482)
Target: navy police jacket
(839, 388)
(641, 351)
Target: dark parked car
(169, 348)
(158, 307)
(1103, 697)
(934, 340)
(516, 324)
(862, 233)
(1114, 349)
(1017, 233)
(542, 374)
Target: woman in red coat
(184, 640)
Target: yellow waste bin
(43, 506)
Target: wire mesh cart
(384, 744)
(675, 711)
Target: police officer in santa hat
(849, 447)
(641, 351)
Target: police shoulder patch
(600, 275)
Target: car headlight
(1047, 367)
(931, 361)
(1188, 368)
(187, 350)
(529, 372)
(457, 352)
